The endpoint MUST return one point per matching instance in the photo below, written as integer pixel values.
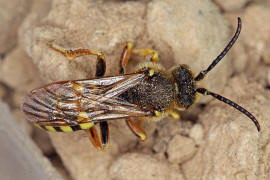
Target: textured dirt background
(211, 141)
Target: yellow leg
(100, 142)
(174, 114)
(72, 54)
(94, 138)
(128, 50)
(136, 129)
(146, 52)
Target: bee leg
(125, 57)
(127, 51)
(174, 114)
(72, 54)
(93, 136)
(104, 134)
(102, 142)
(136, 129)
(146, 52)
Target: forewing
(74, 102)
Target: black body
(154, 93)
(186, 86)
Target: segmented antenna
(202, 74)
(231, 103)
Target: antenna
(231, 103)
(202, 74)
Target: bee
(150, 92)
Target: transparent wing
(79, 101)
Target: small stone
(255, 25)
(134, 166)
(180, 149)
(19, 72)
(82, 160)
(17, 97)
(160, 146)
(239, 57)
(196, 133)
(39, 10)
(166, 129)
(12, 14)
(232, 5)
(260, 74)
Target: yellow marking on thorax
(151, 72)
(66, 128)
(83, 117)
(87, 125)
(176, 88)
(157, 113)
(150, 65)
(50, 128)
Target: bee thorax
(156, 93)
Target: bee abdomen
(82, 126)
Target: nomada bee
(149, 93)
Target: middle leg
(136, 129)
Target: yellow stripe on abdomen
(50, 128)
(87, 125)
(66, 128)
(82, 126)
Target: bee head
(185, 86)
(185, 83)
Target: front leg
(128, 50)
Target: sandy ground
(211, 141)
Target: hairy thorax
(154, 93)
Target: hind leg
(71, 54)
(100, 142)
